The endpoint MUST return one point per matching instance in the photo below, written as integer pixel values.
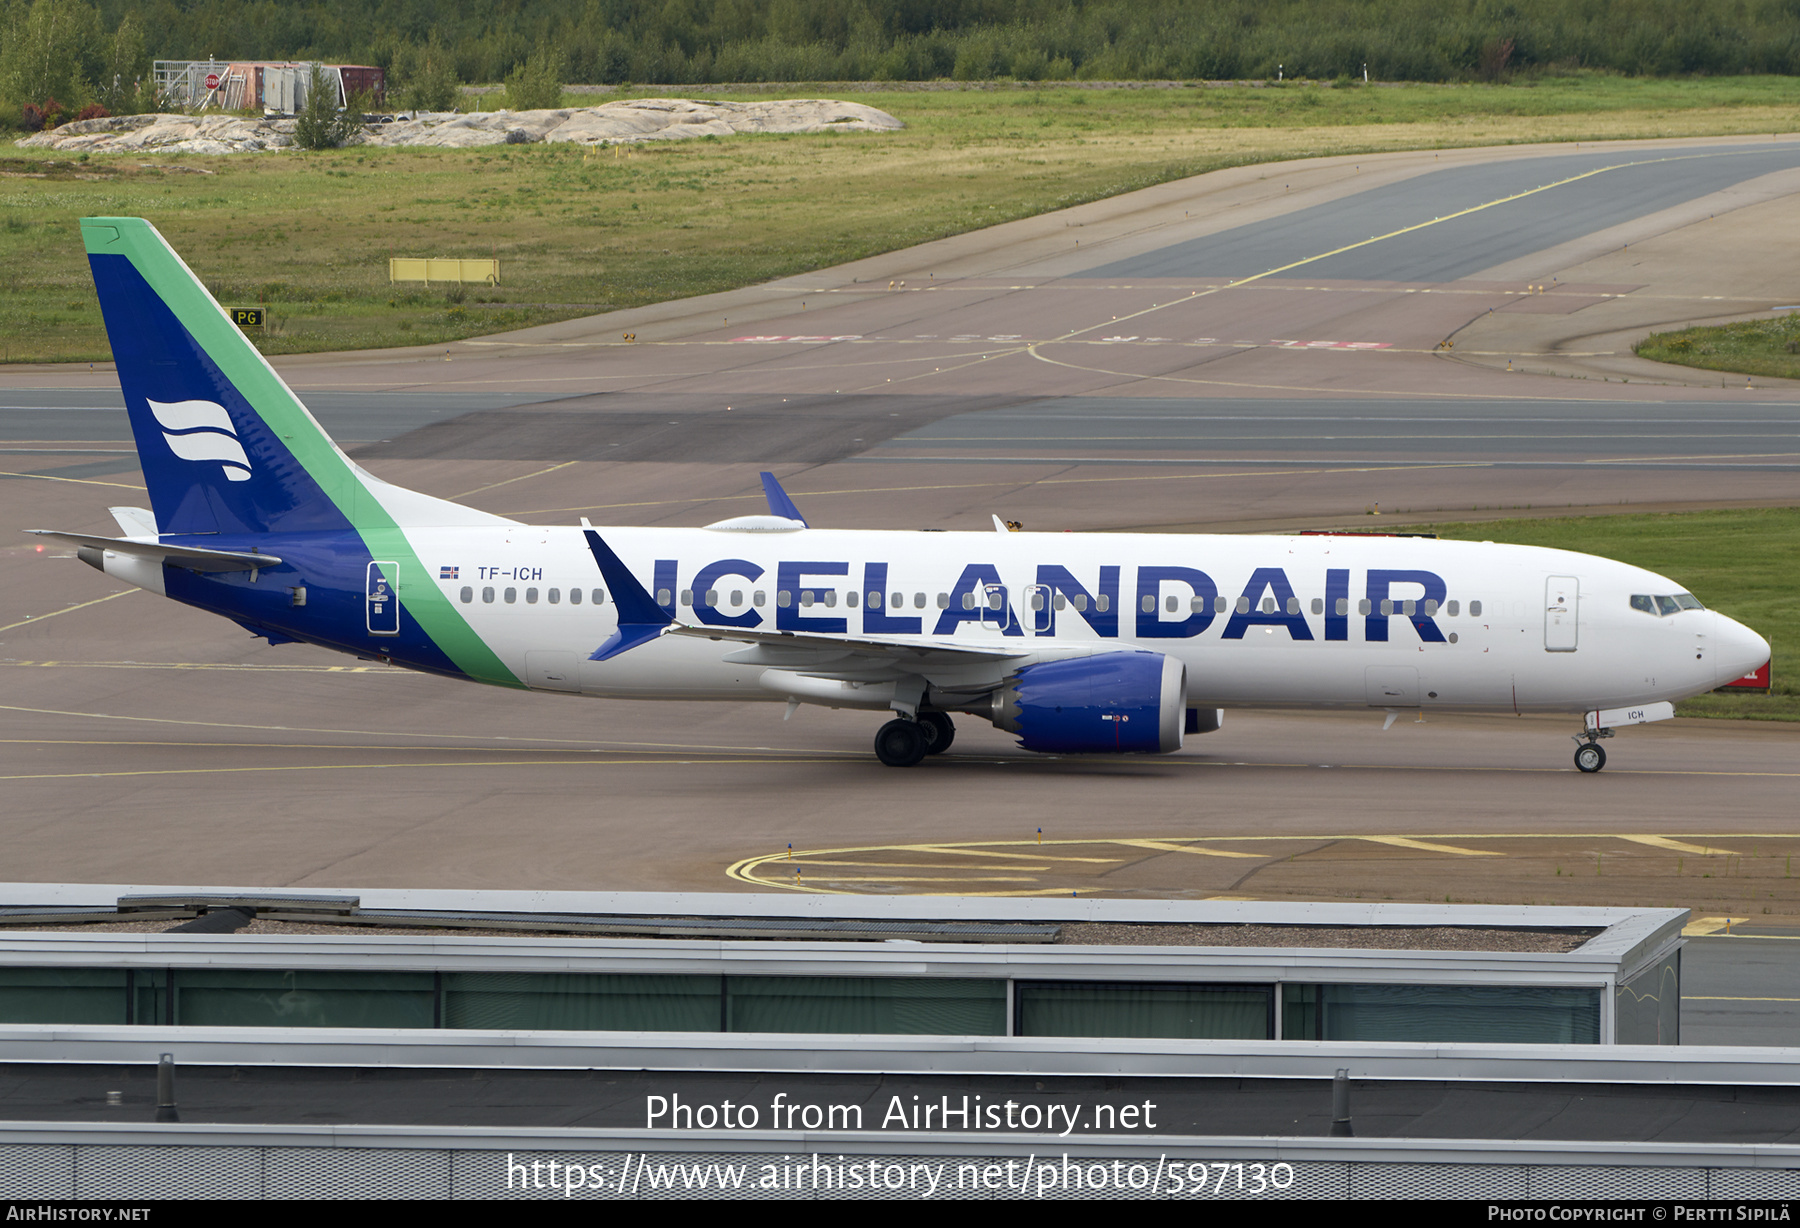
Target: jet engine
(1108, 703)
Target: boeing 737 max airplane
(1077, 643)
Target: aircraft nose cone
(1740, 651)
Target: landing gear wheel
(900, 743)
(939, 732)
(1590, 756)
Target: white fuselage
(1257, 621)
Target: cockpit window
(1664, 605)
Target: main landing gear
(902, 742)
(1590, 756)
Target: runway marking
(787, 868)
(1663, 842)
(51, 477)
(212, 665)
(349, 767)
(1405, 842)
(594, 744)
(1165, 847)
(509, 481)
(35, 619)
(1392, 234)
(1049, 462)
(1702, 927)
(963, 851)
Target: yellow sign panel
(443, 268)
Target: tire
(900, 743)
(1590, 757)
(939, 732)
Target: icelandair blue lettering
(708, 579)
(1380, 586)
(1102, 607)
(507, 573)
(974, 583)
(1337, 590)
(1274, 581)
(980, 583)
(876, 619)
(1150, 624)
(789, 578)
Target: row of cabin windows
(1222, 604)
(511, 595)
(829, 598)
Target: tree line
(89, 51)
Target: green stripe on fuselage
(245, 367)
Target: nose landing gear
(1590, 756)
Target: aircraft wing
(194, 558)
(790, 650)
(971, 668)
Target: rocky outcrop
(636, 119)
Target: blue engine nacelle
(1109, 703)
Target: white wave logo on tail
(202, 431)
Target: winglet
(779, 503)
(640, 618)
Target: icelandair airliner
(1077, 643)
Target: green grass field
(1741, 563)
(1748, 347)
(580, 231)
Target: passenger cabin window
(1318, 605)
(468, 594)
(1343, 606)
(555, 596)
(1081, 601)
(531, 596)
(511, 595)
(1451, 608)
(757, 598)
(1103, 603)
(487, 595)
(574, 596)
(599, 596)
(1474, 609)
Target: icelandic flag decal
(447, 573)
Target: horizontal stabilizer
(193, 558)
(135, 521)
